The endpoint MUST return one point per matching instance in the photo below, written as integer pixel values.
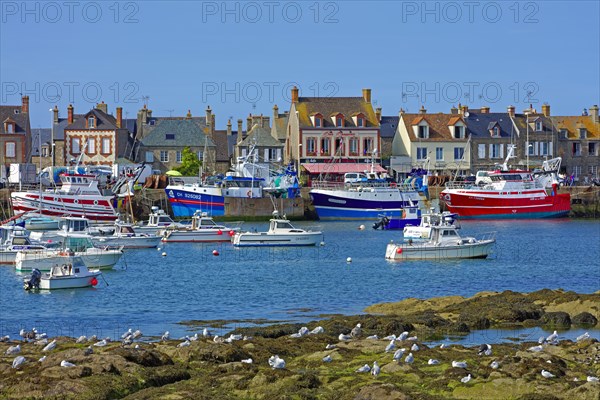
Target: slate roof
(438, 126)
(279, 129)
(389, 126)
(521, 122)
(59, 129)
(188, 132)
(14, 113)
(261, 137)
(328, 106)
(573, 123)
(46, 136)
(478, 124)
(222, 146)
(103, 121)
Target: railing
(487, 236)
(360, 186)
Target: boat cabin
(79, 184)
(282, 225)
(78, 243)
(159, 218)
(66, 270)
(203, 221)
(74, 224)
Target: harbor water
(155, 293)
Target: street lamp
(52, 140)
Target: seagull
(42, 359)
(343, 337)
(101, 343)
(88, 351)
(330, 347)
(391, 346)
(403, 336)
(137, 334)
(415, 347)
(184, 344)
(592, 379)
(541, 340)
(364, 368)
(356, 331)
(13, 350)
(218, 339)
(248, 338)
(18, 361)
(399, 353)
(93, 338)
(128, 333)
(205, 332)
(433, 361)
(547, 374)
(373, 337)
(327, 358)
(459, 364)
(412, 338)
(41, 342)
(494, 365)
(194, 338)
(165, 336)
(317, 330)
(409, 358)
(485, 349)
(552, 338)
(585, 336)
(39, 336)
(50, 346)
(65, 363)
(466, 379)
(376, 369)
(247, 361)
(276, 363)
(302, 332)
(443, 346)
(4, 338)
(536, 348)
(390, 337)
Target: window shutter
(550, 149)
(491, 153)
(279, 155)
(266, 155)
(501, 150)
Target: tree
(190, 165)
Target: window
(576, 149)
(367, 146)
(353, 146)
(170, 136)
(311, 146)
(496, 150)
(106, 146)
(200, 155)
(325, 146)
(577, 170)
(360, 122)
(91, 146)
(496, 132)
(458, 132)
(582, 133)
(339, 146)
(339, 121)
(459, 153)
(481, 151)
(318, 122)
(593, 171)
(538, 126)
(75, 146)
(439, 154)
(91, 122)
(11, 150)
(149, 156)
(423, 132)
(164, 156)
(44, 152)
(10, 127)
(592, 149)
(178, 157)
(421, 153)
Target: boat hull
(480, 249)
(252, 239)
(95, 208)
(198, 235)
(481, 204)
(45, 260)
(186, 201)
(74, 281)
(134, 242)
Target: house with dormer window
(438, 142)
(537, 136)
(15, 133)
(323, 129)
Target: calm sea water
(155, 293)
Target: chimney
(454, 110)
(209, 119)
(485, 110)
(240, 130)
(378, 114)
(422, 110)
(119, 117)
(511, 111)
(228, 127)
(367, 95)
(248, 123)
(55, 111)
(464, 110)
(70, 114)
(25, 104)
(294, 94)
(188, 115)
(594, 113)
(275, 112)
(546, 110)
(102, 107)
(212, 124)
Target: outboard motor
(34, 280)
(382, 223)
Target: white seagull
(4, 338)
(403, 336)
(536, 348)
(18, 361)
(343, 337)
(330, 347)
(466, 379)
(205, 332)
(389, 337)
(88, 351)
(409, 358)
(399, 353)
(495, 364)
(128, 333)
(101, 343)
(391, 346)
(81, 339)
(193, 338)
(376, 369)
(50, 346)
(592, 379)
(137, 334)
(485, 349)
(66, 364)
(247, 361)
(459, 364)
(302, 332)
(433, 361)
(443, 346)
(13, 350)
(552, 338)
(547, 374)
(415, 347)
(42, 359)
(327, 358)
(356, 331)
(317, 330)
(184, 344)
(166, 336)
(585, 336)
(41, 342)
(373, 337)
(364, 368)
(276, 362)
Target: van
(354, 177)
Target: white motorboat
(203, 229)
(157, 220)
(74, 245)
(12, 240)
(72, 225)
(423, 230)
(445, 244)
(65, 276)
(125, 237)
(281, 233)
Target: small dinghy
(66, 276)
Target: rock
(557, 318)
(584, 319)
(380, 392)
(146, 358)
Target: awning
(340, 168)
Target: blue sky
(242, 57)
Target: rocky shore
(209, 368)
